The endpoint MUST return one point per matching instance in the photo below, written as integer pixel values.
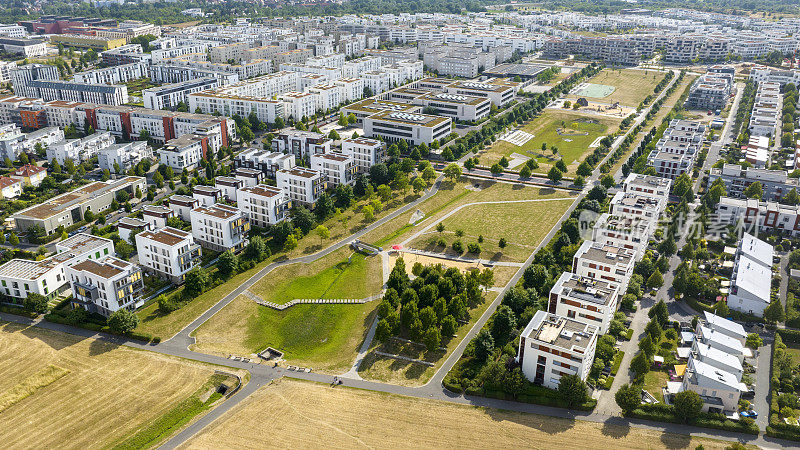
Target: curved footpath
(263, 374)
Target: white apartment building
(337, 168)
(206, 195)
(637, 205)
(301, 143)
(112, 75)
(352, 89)
(125, 155)
(105, 286)
(677, 150)
(301, 185)
(263, 205)
(20, 277)
(219, 227)
(588, 300)
(170, 95)
(632, 233)
(228, 186)
(249, 177)
(647, 185)
(264, 161)
(757, 215)
(182, 205)
(752, 275)
(365, 152)
(184, 152)
(499, 93)
(413, 128)
(327, 96)
(719, 390)
(298, 105)
(551, 346)
(604, 262)
(214, 101)
(79, 150)
(168, 253)
(157, 216)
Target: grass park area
(631, 85)
(572, 133)
(327, 337)
(308, 415)
(523, 225)
(342, 274)
(59, 388)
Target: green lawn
(571, 133)
(346, 278)
(327, 335)
(654, 381)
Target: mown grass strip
(30, 385)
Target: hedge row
(666, 413)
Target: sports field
(594, 90)
(626, 86)
(571, 133)
(297, 414)
(63, 391)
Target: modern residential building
(591, 301)
(637, 205)
(301, 143)
(754, 215)
(106, 285)
(70, 91)
(129, 226)
(249, 177)
(677, 150)
(228, 186)
(366, 152)
(13, 141)
(113, 75)
(337, 168)
(775, 183)
(752, 276)
(168, 253)
(169, 96)
(721, 341)
(647, 185)
(711, 90)
(551, 346)
(124, 156)
(605, 262)
(28, 48)
(157, 216)
(219, 227)
(624, 231)
(182, 205)
(80, 150)
(719, 390)
(717, 358)
(184, 152)
(206, 195)
(725, 326)
(20, 277)
(301, 185)
(263, 205)
(70, 207)
(264, 161)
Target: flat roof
(559, 331)
(82, 194)
(217, 210)
(167, 235)
(423, 120)
(263, 190)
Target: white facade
(168, 253)
(125, 155)
(604, 262)
(301, 184)
(263, 205)
(365, 152)
(184, 152)
(337, 168)
(106, 285)
(552, 346)
(588, 300)
(79, 150)
(219, 227)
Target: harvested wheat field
(296, 414)
(62, 391)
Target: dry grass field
(60, 391)
(632, 85)
(295, 414)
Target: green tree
(36, 303)
(323, 232)
(628, 397)
(656, 280)
(369, 212)
(484, 345)
(640, 365)
(227, 264)
(754, 190)
(13, 239)
(431, 338)
(573, 390)
(754, 341)
(561, 165)
(774, 312)
(554, 174)
(647, 347)
(197, 280)
(525, 172)
(123, 321)
(452, 172)
(496, 169)
(688, 405)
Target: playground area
(517, 137)
(614, 109)
(593, 90)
